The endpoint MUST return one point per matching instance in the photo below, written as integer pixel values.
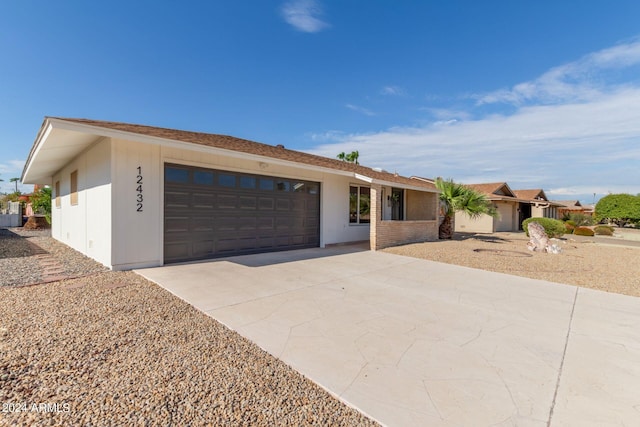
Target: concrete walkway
(417, 343)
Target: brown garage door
(210, 213)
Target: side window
(74, 187)
(57, 190)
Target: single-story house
(133, 196)
(505, 202)
(567, 207)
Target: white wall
(137, 230)
(86, 227)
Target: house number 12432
(139, 197)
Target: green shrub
(569, 227)
(579, 219)
(583, 231)
(553, 227)
(571, 222)
(603, 230)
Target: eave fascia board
(172, 143)
(43, 134)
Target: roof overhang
(56, 144)
(60, 141)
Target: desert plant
(456, 197)
(583, 231)
(570, 226)
(580, 219)
(603, 230)
(553, 227)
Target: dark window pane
(365, 205)
(353, 205)
(266, 184)
(283, 186)
(298, 187)
(313, 188)
(247, 182)
(176, 175)
(227, 180)
(203, 177)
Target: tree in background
(16, 181)
(456, 197)
(619, 209)
(351, 157)
(41, 202)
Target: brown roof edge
(232, 143)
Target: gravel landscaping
(605, 263)
(112, 348)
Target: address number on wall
(139, 196)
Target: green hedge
(553, 227)
(583, 231)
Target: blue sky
(541, 94)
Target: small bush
(603, 230)
(580, 219)
(569, 227)
(583, 231)
(553, 227)
(571, 222)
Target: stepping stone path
(52, 270)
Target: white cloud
(578, 81)
(590, 144)
(304, 15)
(392, 90)
(12, 167)
(361, 110)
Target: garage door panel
(265, 203)
(211, 213)
(227, 201)
(179, 224)
(248, 202)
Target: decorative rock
(539, 241)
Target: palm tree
(16, 181)
(352, 157)
(456, 197)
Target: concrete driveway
(412, 342)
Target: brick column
(375, 215)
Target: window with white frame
(359, 205)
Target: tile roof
(568, 203)
(250, 147)
(491, 189)
(530, 194)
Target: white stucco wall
(137, 229)
(86, 226)
(466, 224)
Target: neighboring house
(505, 202)
(566, 207)
(132, 196)
(537, 204)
